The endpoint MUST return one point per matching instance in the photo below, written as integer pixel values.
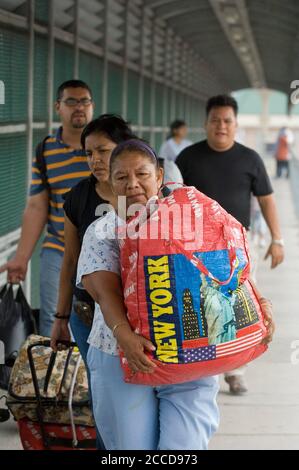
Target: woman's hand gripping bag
(185, 274)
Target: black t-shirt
(228, 177)
(81, 203)
(80, 207)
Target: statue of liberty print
(219, 313)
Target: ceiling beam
(233, 18)
(180, 11)
(178, 8)
(157, 3)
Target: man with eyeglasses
(229, 172)
(64, 164)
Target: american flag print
(208, 353)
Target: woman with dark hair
(98, 139)
(132, 416)
(176, 141)
(75, 306)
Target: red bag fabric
(31, 437)
(192, 299)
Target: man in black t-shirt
(229, 173)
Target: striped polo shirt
(65, 168)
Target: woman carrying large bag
(179, 414)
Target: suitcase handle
(47, 343)
(39, 408)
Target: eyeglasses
(72, 102)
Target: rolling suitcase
(48, 396)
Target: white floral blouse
(100, 252)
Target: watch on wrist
(278, 241)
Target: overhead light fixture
(237, 33)
(247, 59)
(231, 15)
(243, 47)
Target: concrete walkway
(268, 416)
(9, 436)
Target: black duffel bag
(16, 324)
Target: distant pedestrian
(283, 152)
(176, 141)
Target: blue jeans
(182, 416)
(50, 266)
(81, 332)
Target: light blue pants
(138, 417)
(50, 266)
